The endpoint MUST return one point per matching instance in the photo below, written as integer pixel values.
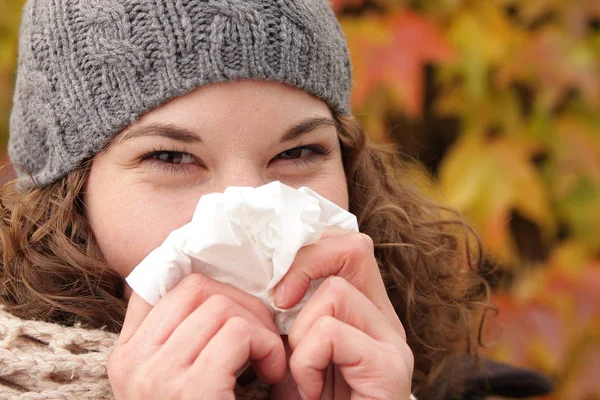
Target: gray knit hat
(89, 68)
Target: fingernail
(280, 295)
(302, 395)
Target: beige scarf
(41, 360)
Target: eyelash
(165, 166)
(318, 151)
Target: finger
(338, 299)
(371, 369)
(349, 255)
(193, 334)
(332, 231)
(237, 342)
(184, 298)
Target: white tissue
(246, 237)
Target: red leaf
(525, 326)
(391, 51)
(586, 384)
(339, 4)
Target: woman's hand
(348, 322)
(193, 342)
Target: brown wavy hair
(51, 268)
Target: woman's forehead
(244, 105)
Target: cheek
(331, 184)
(336, 192)
(337, 189)
(129, 221)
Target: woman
(125, 113)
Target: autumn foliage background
(499, 101)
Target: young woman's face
(233, 134)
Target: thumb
(340, 253)
(319, 260)
(137, 310)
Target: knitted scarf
(41, 360)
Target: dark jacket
(503, 380)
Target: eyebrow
(164, 130)
(187, 136)
(305, 126)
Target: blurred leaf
(484, 37)
(390, 51)
(372, 117)
(532, 334)
(339, 4)
(487, 179)
(551, 321)
(575, 176)
(500, 113)
(571, 257)
(585, 377)
(556, 63)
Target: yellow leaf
(574, 173)
(485, 38)
(570, 257)
(487, 179)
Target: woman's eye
(171, 161)
(303, 156)
(173, 157)
(296, 153)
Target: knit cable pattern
(40, 360)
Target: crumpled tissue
(245, 237)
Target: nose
(240, 174)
